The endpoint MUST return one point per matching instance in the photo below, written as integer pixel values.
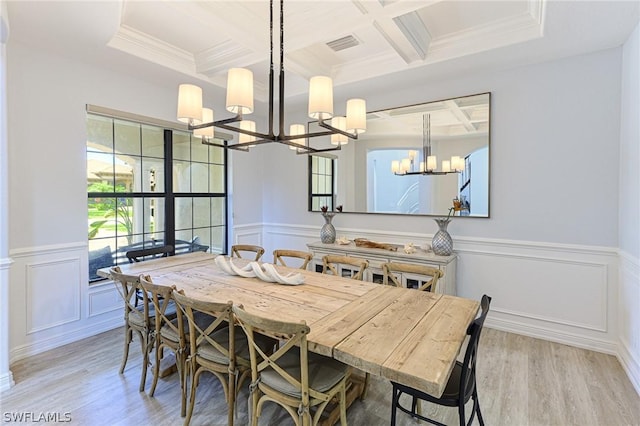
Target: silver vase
(442, 243)
(328, 232)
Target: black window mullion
(169, 203)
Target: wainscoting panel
(248, 234)
(629, 317)
(541, 288)
(51, 302)
(53, 294)
(104, 298)
(562, 293)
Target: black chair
(461, 385)
(152, 252)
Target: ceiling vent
(343, 43)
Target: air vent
(343, 43)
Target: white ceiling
(197, 41)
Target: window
(321, 185)
(151, 185)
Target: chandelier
(407, 166)
(240, 102)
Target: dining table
(404, 335)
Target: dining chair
(150, 252)
(461, 385)
(292, 377)
(332, 263)
(280, 255)
(429, 283)
(167, 330)
(137, 319)
(214, 347)
(238, 248)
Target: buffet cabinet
(376, 257)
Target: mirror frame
(335, 157)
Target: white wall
(629, 212)
(548, 253)
(47, 206)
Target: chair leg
(128, 335)
(461, 413)
(156, 369)
(145, 361)
(192, 392)
(367, 378)
(394, 403)
(343, 406)
(181, 376)
(232, 398)
(477, 406)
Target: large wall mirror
(414, 159)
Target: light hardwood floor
(521, 380)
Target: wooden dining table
(405, 335)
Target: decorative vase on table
(442, 243)
(328, 232)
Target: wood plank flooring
(521, 380)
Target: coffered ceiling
(350, 40)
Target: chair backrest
(389, 278)
(236, 249)
(467, 377)
(139, 255)
(128, 286)
(160, 296)
(292, 336)
(279, 255)
(330, 265)
(200, 333)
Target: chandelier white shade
(339, 123)
(240, 91)
(239, 101)
(206, 132)
(190, 104)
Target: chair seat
(324, 373)
(201, 319)
(137, 318)
(207, 351)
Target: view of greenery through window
(150, 186)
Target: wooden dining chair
(167, 331)
(331, 264)
(149, 253)
(461, 385)
(215, 347)
(292, 377)
(138, 319)
(238, 248)
(427, 280)
(280, 255)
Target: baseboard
(43, 345)
(544, 333)
(630, 364)
(6, 381)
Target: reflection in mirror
(417, 159)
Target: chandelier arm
(217, 123)
(246, 132)
(335, 130)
